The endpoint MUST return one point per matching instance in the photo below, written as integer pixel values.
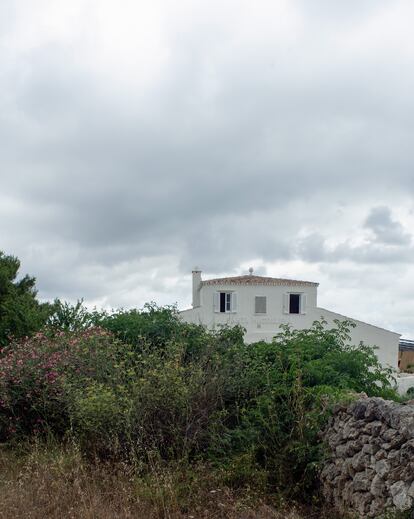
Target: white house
(261, 304)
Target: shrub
(278, 396)
(175, 402)
(40, 378)
(69, 317)
(31, 386)
(153, 325)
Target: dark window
(294, 303)
(222, 301)
(225, 302)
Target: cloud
(386, 243)
(137, 142)
(385, 229)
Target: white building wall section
(405, 382)
(385, 341)
(266, 326)
(244, 313)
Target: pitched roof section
(258, 280)
(406, 345)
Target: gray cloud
(385, 229)
(219, 137)
(387, 243)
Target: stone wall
(371, 457)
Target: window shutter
(260, 305)
(303, 303)
(286, 303)
(216, 301)
(234, 302)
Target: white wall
(245, 305)
(387, 342)
(264, 327)
(404, 383)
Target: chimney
(196, 286)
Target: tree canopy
(21, 313)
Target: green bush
(278, 396)
(153, 325)
(69, 317)
(99, 417)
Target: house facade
(261, 304)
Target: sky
(139, 139)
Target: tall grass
(57, 483)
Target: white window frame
(302, 302)
(230, 301)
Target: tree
(21, 314)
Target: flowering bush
(40, 376)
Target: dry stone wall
(370, 468)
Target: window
(260, 305)
(225, 302)
(294, 303)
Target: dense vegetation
(143, 388)
(175, 391)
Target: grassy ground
(57, 484)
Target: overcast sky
(138, 139)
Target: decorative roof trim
(258, 280)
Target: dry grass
(59, 484)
